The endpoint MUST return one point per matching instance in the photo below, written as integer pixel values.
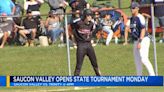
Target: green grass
(114, 60)
(52, 60)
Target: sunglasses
(89, 15)
(133, 8)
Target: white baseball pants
(141, 57)
(110, 34)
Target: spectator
(6, 26)
(97, 27)
(97, 23)
(19, 11)
(79, 5)
(160, 16)
(107, 26)
(58, 6)
(33, 5)
(29, 31)
(54, 26)
(119, 26)
(7, 8)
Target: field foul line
(75, 88)
(78, 88)
(60, 90)
(84, 88)
(81, 88)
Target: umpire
(83, 38)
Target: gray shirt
(54, 4)
(7, 25)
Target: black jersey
(83, 31)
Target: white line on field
(59, 90)
(75, 88)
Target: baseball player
(83, 38)
(141, 40)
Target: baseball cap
(52, 12)
(103, 13)
(88, 12)
(134, 5)
(3, 14)
(28, 11)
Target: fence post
(154, 40)
(119, 3)
(67, 41)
